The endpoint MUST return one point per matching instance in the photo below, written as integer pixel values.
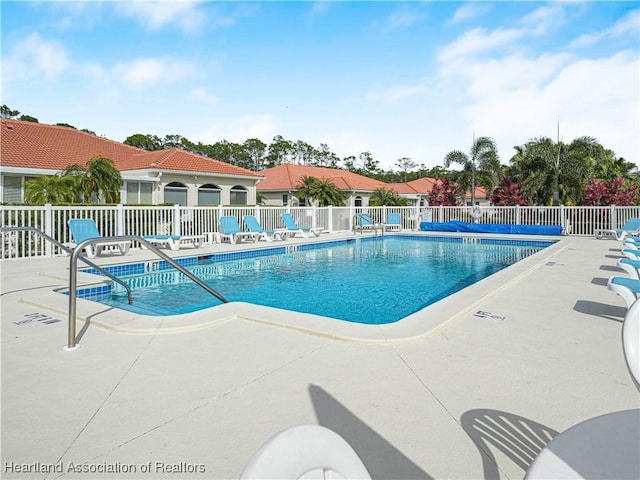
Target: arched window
(358, 201)
(238, 195)
(175, 192)
(209, 195)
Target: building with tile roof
(174, 176)
(280, 186)
(29, 149)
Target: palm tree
(481, 165)
(323, 191)
(553, 172)
(104, 179)
(99, 180)
(385, 196)
(54, 189)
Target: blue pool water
(366, 280)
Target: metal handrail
(69, 250)
(72, 345)
(358, 227)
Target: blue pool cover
(458, 226)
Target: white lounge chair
(293, 228)
(230, 230)
(254, 226)
(394, 222)
(631, 266)
(627, 288)
(84, 228)
(631, 226)
(174, 242)
(602, 447)
(305, 451)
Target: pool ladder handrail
(69, 251)
(72, 344)
(74, 254)
(375, 228)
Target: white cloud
(146, 72)
(318, 9)
(467, 12)
(514, 96)
(630, 24)
(514, 72)
(594, 97)
(155, 15)
(202, 95)
(544, 19)
(237, 130)
(402, 19)
(400, 92)
(253, 126)
(478, 41)
(34, 58)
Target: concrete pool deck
(196, 397)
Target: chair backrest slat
(229, 225)
(83, 228)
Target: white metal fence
(178, 220)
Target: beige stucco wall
(274, 198)
(194, 182)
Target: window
(139, 192)
(358, 202)
(209, 195)
(285, 199)
(238, 196)
(11, 189)
(175, 193)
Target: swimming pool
(365, 280)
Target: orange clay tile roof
(41, 146)
(414, 187)
(288, 176)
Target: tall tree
(324, 157)
(482, 165)
(150, 143)
(6, 112)
(255, 149)
(369, 165)
(554, 172)
(405, 164)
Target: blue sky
(397, 79)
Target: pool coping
(418, 325)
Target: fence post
(48, 228)
(176, 219)
(330, 218)
(613, 217)
(517, 214)
(440, 213)
(352, 214)
(119, 219)
(563, 222)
